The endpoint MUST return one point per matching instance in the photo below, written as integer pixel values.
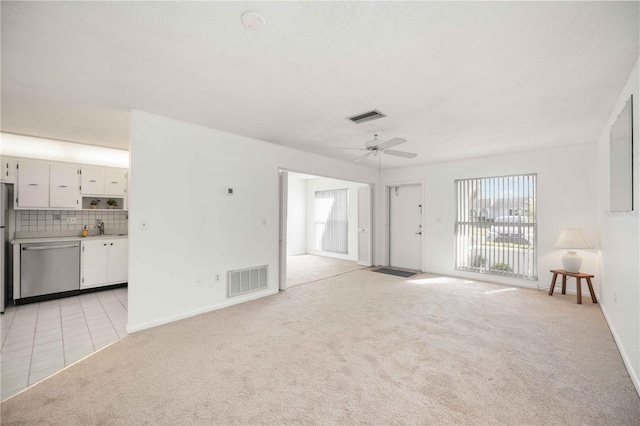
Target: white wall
(179, 172)
(324, 184)
(620, 243)
(296, 217)
(566, 188)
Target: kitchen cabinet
(104, 262)
(103, 181)
(63, 186)
(33, 184)
(115, 181)
(42, 185)
(9, 169)
(92, 180)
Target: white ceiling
(456, 79)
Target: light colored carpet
(307, 268)
(362, 347)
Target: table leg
(593, 295)
(564, 284)
(553, 283)
(579, 290)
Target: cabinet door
(63, 185)
(33, 184)
(118, 261)
(95, 255)
(8, 169)
(115, 181)
(92, 181)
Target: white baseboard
(171, 318)
(627, 363)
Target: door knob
(419, 233)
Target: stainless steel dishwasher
(47, 268)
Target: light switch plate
(71, 220)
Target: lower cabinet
(104, 262)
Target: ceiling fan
(375, 146)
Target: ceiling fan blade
(362, 157)
(391, 142)
(400, 153)
(344, 147)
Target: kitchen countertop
(59, 239)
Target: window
(332, 220)
(495, 230)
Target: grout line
(109, 318)
(64, 358)
(84, 315)
(33, 343)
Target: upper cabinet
(42, 185)
(103, 181)
(33, 184)
(115, 181)
(63, 186)
(52, 185)
(9, 169)
(92, 180)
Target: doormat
(396, 272)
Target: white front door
(364, 226)
(405, 226)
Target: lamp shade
(572, 238)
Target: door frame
(283, 211)
(387, 220)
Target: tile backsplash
(55, 222)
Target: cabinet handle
(105, 244)
(33, 184)
(92, 180)
(63, 186)
(111, 243)
(50, 247)
(114, 182)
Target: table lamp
(571, 239)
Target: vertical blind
(496, 227)
(332, 220)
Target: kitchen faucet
(100, 228)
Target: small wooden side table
(578, 276)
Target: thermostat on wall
(229, 191)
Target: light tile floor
(39, 339)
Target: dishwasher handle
(51, 247)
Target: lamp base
(571, 261)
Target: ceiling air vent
(367, 116)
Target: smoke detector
(253, 20)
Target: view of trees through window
(495, 231)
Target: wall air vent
(243, 281)
(366, 116)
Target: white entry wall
(566, 188)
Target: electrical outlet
(217, 278)
(56, 217)
(144, 224)
(71, 220)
